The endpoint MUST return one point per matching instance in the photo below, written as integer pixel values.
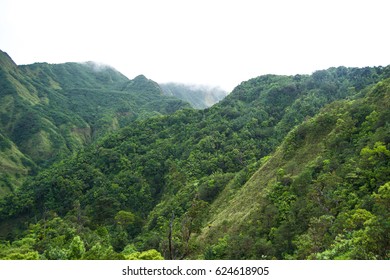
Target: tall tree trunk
(170, 237)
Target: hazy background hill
(50, 110)
(200, 97)
(284, 167)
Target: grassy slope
(14, 166)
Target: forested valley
(96, 166)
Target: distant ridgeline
(48, 111)
(200, 97)
(284, 167)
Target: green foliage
(19, 250)
(124, 218)
(76, 249)
(210, 188)
(217, 251)
(146, 255)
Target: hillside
(200, 97)
(48, 111)
(284, 167)
(323, 194)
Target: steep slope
(200, 97)
(323, 194)
(187, 174)
(48, 111)
(14, 166)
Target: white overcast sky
(199, 41)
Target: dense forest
(284, 167)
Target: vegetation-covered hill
(48, 111)
(283, 167)
(323, 194)
(200, 97)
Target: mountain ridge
(49, 110)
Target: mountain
(200, 97)
(50, 110)
(285, 167)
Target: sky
(211, 42)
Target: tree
(76, 249)
(124, 218)
(316, 239)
